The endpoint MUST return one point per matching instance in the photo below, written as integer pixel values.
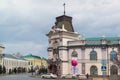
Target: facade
(1, 52)
(11, 63)
(44, 63)
(35, 61)
(72, 53)
(1, 48)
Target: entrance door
(52, 69)
(93, 70)
(113, 70)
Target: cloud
(96, 18)
(26, 48)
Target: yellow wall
(37, 62)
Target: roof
(31, 56)
(105, 38)
(98, 40)
(13, 57)
(66, 20)
(44, 58)
(9, 56)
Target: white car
(49, 75)
(81, 76)
(68, 76)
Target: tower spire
(64, 8)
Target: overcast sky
(25, 23)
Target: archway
(113, 70)
(93, 70)
(52, 69)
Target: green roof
(101, 38)
(31, 56)
(44, 58)
(98, 40)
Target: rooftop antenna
(64, 8)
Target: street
(18, 77)
(26, 76)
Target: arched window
(113, 55)
(93, 70)
(74, 54)
(93, 55)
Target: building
(1, 48)
(44, 63)
(11, 63)
(35, 61)
(72, 53)
(1, 52)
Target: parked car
(49, 75)
(68, 76)
(81, 76)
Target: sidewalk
(100, 79)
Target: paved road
(18, 77)
(24, 77)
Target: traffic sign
(103, 68)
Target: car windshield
(81, 74)
(48, 74)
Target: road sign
(103, 68)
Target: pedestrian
(87, 75)
(15, 70)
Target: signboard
(103, 68)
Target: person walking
(87, 76)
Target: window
(93, 55)
(113, 55)
(74, 54)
